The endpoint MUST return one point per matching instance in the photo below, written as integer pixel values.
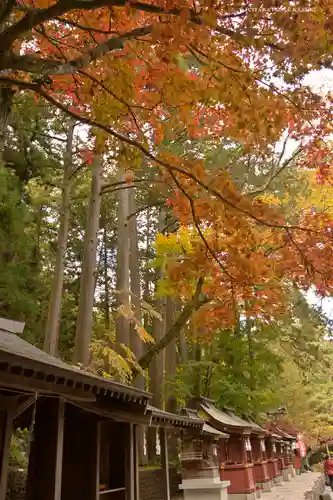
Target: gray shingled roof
(16, 352)
(161, 416)
(207, 429)
(255, 427)
(227, 419)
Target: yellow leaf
(144, 335)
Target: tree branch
(195, 304)
(35, 87)
(35, 17)
(43, 67)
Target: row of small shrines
(84, 435)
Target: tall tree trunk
(134, 263)
(53, 319)
(198, 371)
(183, 346)
(157, 366)
(106, 282)
(170, 355)
(146, 319)
(6, 101)
(123, 250)
(87, 282)
(136, 342)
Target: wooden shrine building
(83, 427)
(236, 464)
(272, 458)
(259, 456)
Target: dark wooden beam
(19, 382)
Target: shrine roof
(285, 434)
(160, 417)
(277, 433)
(25, 367)
(207, 429)
(255, 427)
(226, 418)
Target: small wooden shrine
(283, 444)
(83, 427)
(289, 442)
(200, 463)
(190, 426)
(77, 421)
(235, 456)
(259, 456)
(271, 443)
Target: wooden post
(46, 451)
(98, 457)
(130, 469)
(6, 425)
(137, 439)
(165, 461)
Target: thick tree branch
(33, 18)
(36, 17)
(197, 301)
(43, 67)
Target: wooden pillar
(45, 459)
(6, 425)
(137, 440)
(165, 461)
(80, 471)
(243, 449)
(131, 489)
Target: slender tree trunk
(198, 374)
(87, 282)
(147, 321)
(157, 366)
(52, 324)
(123, 250)
(170, 355)
(106, 282)
(6, 100)
(136, 342)
(146, 289)
(134, 263)
(183, 347)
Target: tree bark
(87, 282)
(134, 263)
(123, 249)
(6, 101)
(52, 324)
(157, 365)
(192, 306)
(106, 282)
(170, 355)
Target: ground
(294, 489)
